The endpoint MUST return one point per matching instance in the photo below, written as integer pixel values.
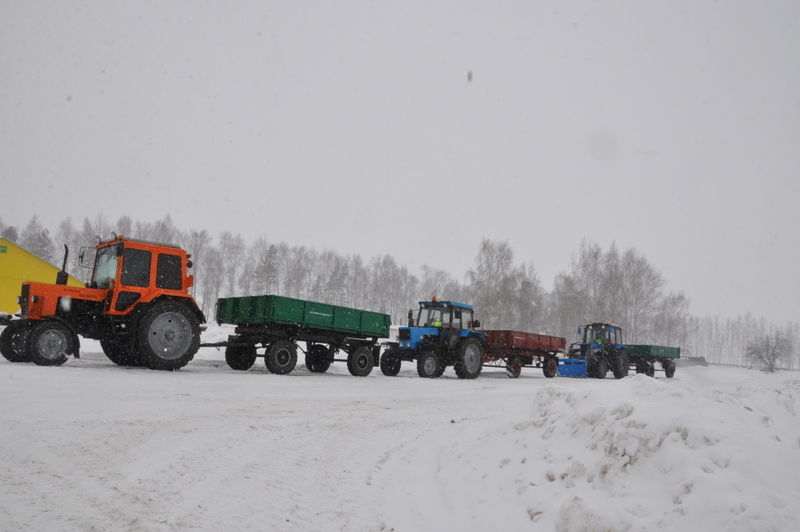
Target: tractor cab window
(136, 268)
(597, 334)
(462, 318)
(433, 317)
(105, 266)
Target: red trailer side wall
(523, 341)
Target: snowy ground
(93, 446)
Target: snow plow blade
(573, 367)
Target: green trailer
(277, 324)
(645, 358)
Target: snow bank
(637, 454)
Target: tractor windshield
(105, 267)
(433, 316)
(596, 334)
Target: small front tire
(429, 365)
(49, 343)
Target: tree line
(613, 285)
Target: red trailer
(515, 350)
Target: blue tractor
(443, 334)
(603, 349)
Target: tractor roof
(437, 303)
(602, 324)
(121, 238)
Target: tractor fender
(142, 308)
(76, 342)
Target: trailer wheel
(669, 368)
(13, 342)
(49, 343)
(620, 367)
(168, 336)
(121, 353)
(240, 357)
(469, 359)
(281, 357)
(513, 367)
(390, 363)
(641, 367)
(318, 359)
(360, 361)
(650, 369)
(550, 367)
(429, 365)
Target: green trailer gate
(277, 323)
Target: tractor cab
(437, 320)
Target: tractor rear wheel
(669, 368)
(281, 357)
(240, 357)
(469, 359)
(318, 359)
(550, 367)
(49, 343)
(620, 367)
(13, 342)
(359, 361)
(168, 335)
(513, 367)
(121, 353)
(429, 365)
(390, 363)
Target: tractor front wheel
(49, 343)
(168, 336)
(429, 365)
(620, 368)
(13, 342)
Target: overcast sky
(418, 128)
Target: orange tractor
(137, 304)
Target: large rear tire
(360, 361)
(13, 342)
(122, 353)
(469, 359)
(240, 357)
(620, 367)
(49, 343)
(318, 359)
(168, 335)
(281, 357)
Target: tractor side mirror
(476, 324)
(579, 331)
(410, 318)
(82, 259)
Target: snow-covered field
(93, 446)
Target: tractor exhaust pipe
(61, 277)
